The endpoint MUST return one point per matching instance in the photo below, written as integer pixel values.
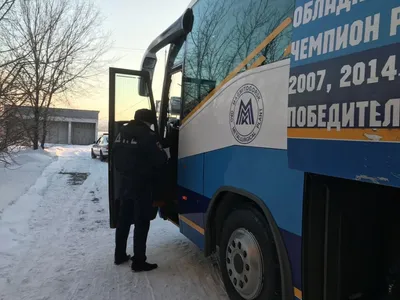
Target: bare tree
(5, 7)
(11, 134)
(7, 57)
(65, 46)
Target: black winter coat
(138, 156)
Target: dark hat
(144, 115)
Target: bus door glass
(124, 101)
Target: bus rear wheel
(247, 256)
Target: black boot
(121, 260)
(143, 266)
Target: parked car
(100, 148)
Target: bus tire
(247, 256)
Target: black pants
(139, 240)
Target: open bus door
(169, 122)
(170, 210)
(170, 115)
(124, 100)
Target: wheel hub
(244, 263)
(238, 263)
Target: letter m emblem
(245, 115)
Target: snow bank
(17, 178)
(28, 165)
(19, 212)
(68, 151)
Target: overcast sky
(133, 25)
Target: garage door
(57, 133)
(83, 133)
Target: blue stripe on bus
(364, 161)
(197, 218)
(359, 11)
(187, 176)
(195, 203)
(192, 234)
(262, 172)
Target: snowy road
(55, 243)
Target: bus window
(224, 34)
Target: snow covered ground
(55, 242)
(16, 178)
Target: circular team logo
(246, 113)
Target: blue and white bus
(285, 151)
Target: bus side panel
(192, 203)
(364, 161)
(259, 171)
(348, 124)
(241, 136)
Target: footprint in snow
(101, 222)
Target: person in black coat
(139, 158)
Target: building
(67, 126)
(73, 126)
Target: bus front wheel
(247, 256)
